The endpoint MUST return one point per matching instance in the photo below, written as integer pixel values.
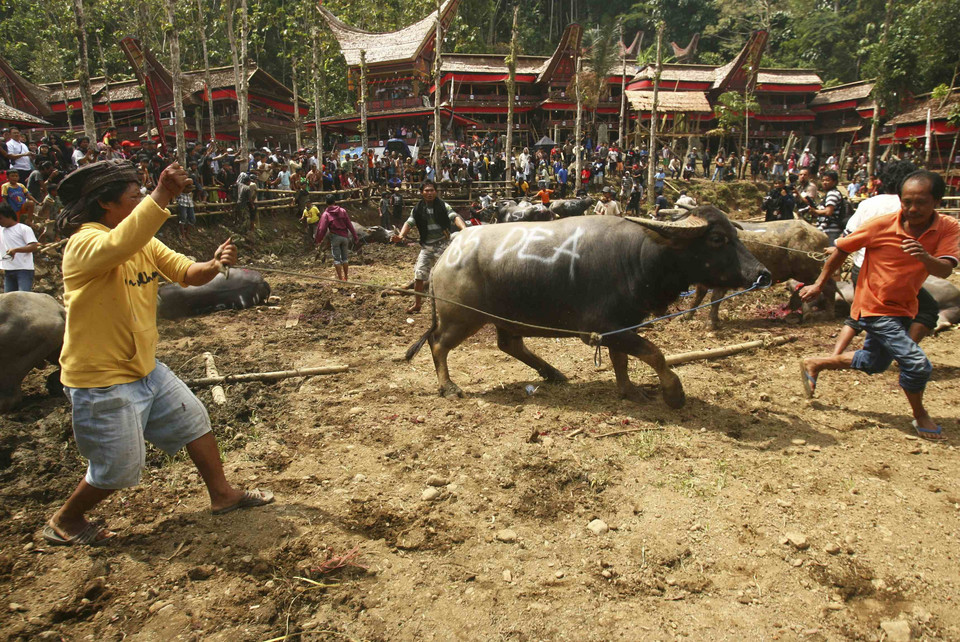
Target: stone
(436, 480)
(156, 606)
(896, 630)
(798, 442)
(606, 573)
(797, 540)
(16, 608)
(430, 494)
(558, 575)
(507, 576)
(94, 588)
(598, 527)
(506, 535)
(359, 477)
(202, 572)
(832, 549)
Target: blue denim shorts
(111, 425)
(887, 340)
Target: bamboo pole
(511, 90)
(266, 376)
(578, 127)
(652, 159)
(219, 396)
(363, 116)
(437, 42)
(726, 351)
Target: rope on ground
(594, 339)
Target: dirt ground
(750, 514)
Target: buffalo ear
(689, 227)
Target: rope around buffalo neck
(594, 339)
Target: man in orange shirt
(902, 249)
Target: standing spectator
(49, 211)
(80, 150)
(310, 218)
(19, 154)
(247, 199)
(396, 205)
(718, 167)
(17, 245)
(4, 154)
(779, 203)
(385, 210)
(562, 178)
(336, 220)
(607, 205)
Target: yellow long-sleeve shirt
(110, 280)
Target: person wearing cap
(121, 394)
(607, 205)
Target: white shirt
(78, 155)
(22, 163)
(871, 208)
(16, 236)
(610, 208)
(686, 200)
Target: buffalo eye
(717, 239)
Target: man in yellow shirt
(121, 395)
(310, 218)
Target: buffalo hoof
(634, 394)
(450, 391)
(554, 376)
(673, 394)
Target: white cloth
(16, 236)
(871, 208)
(686, 200)
(21, 164)
(78, 155)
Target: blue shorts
(887, 340)
(111, 424)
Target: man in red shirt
(902, 249)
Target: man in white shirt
(19, 154)
(80, 150)
(17, 245)
(607, 205)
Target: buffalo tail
(415, 348)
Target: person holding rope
(121, 394)
(432, 218)
(902, 248)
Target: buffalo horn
(688, 227)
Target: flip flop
(250, 499)
(89, 536)
(809, 383)
(929, 435)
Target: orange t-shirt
(544, 195)
(890, 278)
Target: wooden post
(317, 79)
(578, 126)
(206, 69)
(622, 142)
(726, 351)
(363, 114)
(511, 91)
(180, 125)
(438, 40)
(83, 73)
(652, 166)
(296, 101)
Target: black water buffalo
(786, 248)
(572, 206)
(31, 335)
(945, 293)
(524, 211)
(374, 234)
(585, 275)
(244, 288)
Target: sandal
(250, 499)
(929, 435)
(90, 535)
(809, 383)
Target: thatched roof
(10, 114)
(489, 64)
(402, 45)
(679, 73)
(683, 102)
(569, 45)
(788, 77)
(842, 93)
(34, 94)
(917, 113)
